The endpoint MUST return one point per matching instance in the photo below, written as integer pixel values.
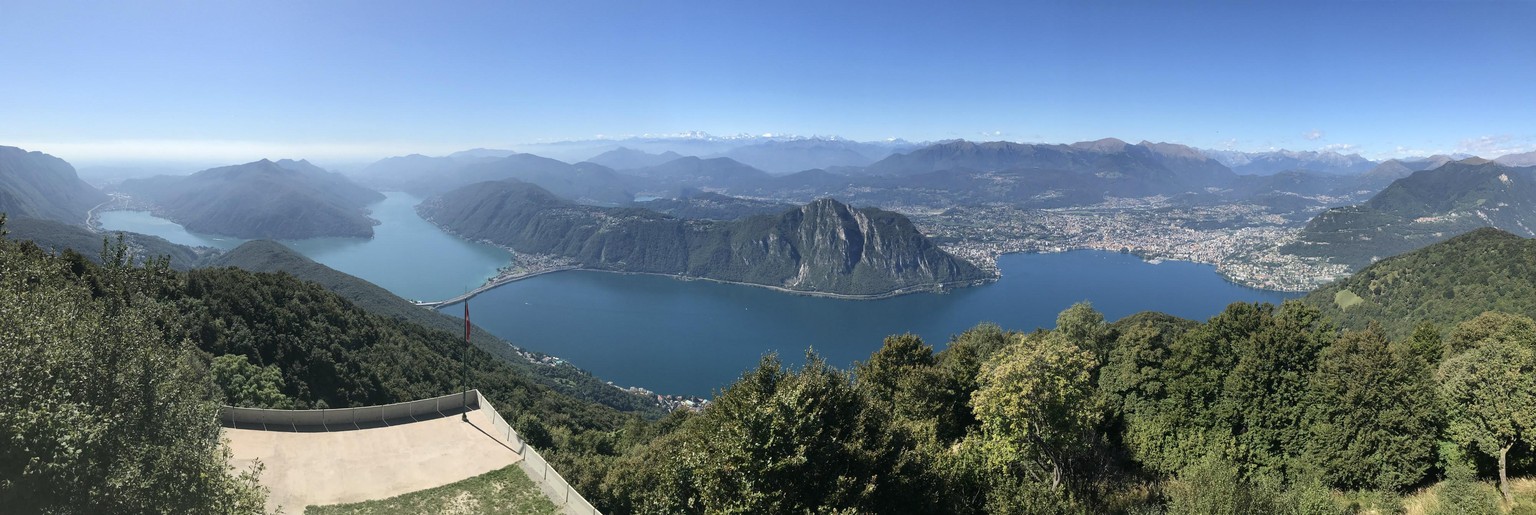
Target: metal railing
(538, 469)
(549, 481)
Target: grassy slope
(506, 490)
(1444, 283)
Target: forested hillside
(58, 236)
(1427, 207)
(1440, 285)
(114, 373)
(1261, 409)
(270, 256)
(822, 247)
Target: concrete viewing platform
(318, 457)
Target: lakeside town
(1242, 241)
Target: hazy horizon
(110, 84)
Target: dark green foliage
(1263, 398)
(1446, 283)
(102, 410)
(263, 199)
(1037, 410)
(1489, 388)
(1373, 417)
(247, 385)
(1215, 486)
(1465, 496)
(1425, 342)
(59, 236)
(270, 256)
(824, 246)
(1086, 329)
(332, 353)
(904, 379)
(777, 441)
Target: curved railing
(341, 419)
(549, 481)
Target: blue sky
(234, 80)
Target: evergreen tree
(1372, 415)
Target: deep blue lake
(695, 337)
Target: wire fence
(549, 481)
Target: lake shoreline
(939, 288)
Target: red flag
(466, 321)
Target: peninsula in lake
(824, 247)
(283, 199)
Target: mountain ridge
(38, 185)
(823, 247)
(1426, 207)
(262, 199)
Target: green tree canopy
(1037, 407)
(1490, 388)
(1373, 418)
(246, 385)
(103, 411)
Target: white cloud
(1312, 135)
(1342, 148)
(1494, 146)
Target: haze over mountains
(264, 199)
(1267, 163)
(37, 185)
(699, 177)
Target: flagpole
(465, 379)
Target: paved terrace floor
(316, 467)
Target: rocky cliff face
(822, 247)
(835, 244)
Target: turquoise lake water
(694, 337)
(407, 255)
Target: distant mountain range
(38, 185)
(623, 158)
(1268, 163)
(824, 247)
(1525, 159)
(936, 175)
(1426, 207)
(426, 176)
(1108, 166)
(263, 199)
